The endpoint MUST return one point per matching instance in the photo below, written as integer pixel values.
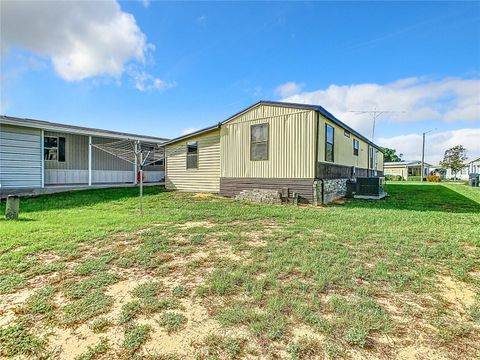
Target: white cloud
(448, 99)
(83, 39)
(288, 89)
(189, 130)
(435, 144)
(146, 82)
(145, 3)
(201, 20)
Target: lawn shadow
(421, 198)
(79, 198)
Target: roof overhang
(316, 108)
(79, 130)
(192, 134)
(405, 164)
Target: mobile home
(294, 148)
(36, 155)
(407, 168)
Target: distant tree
(391, 155)
(454, 159)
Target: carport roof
(50, 126)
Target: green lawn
(207, 277)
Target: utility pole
(375, 114)
(423, 155)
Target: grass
(11, 282)
(100, 324)
(16, 340)
(94, 352)
(135, 337)
(130, 310)
(40, 303)
(75, 289)
(172, 321)
(95, 303)
(347, 272)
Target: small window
(259, 142)
(346, 133)
(329, 142)
(356, 145)
(54, 148)
(192, 155)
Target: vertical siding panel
(291, 144)
(343, 148)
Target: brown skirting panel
(233, 186)
(361, 172)
(334, 171)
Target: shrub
(433, 178)
(414, 178)
(390, 177)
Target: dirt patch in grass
(202, 195)
(419, 351)
(457, 293)
(46, 257)
(194, 224)
(9, 302)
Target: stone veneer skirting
(303, 187)
(333, 189)
(311, 191)
(260, 195)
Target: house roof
(404, 163)
(47, 125)
(317, 108)
(189, 135)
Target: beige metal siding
(291, 147)
(343, 147)
(207, 177)
(20, 157)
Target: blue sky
(166, 68)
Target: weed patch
(135, 337)
(93, 304)
(94, 352)
(172, 321)
(16, 340)
(11, 282)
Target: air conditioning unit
(370, 188)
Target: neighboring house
(471, 167)
(406, 168)
(276, 146)
(474, 166)
(38, 154)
